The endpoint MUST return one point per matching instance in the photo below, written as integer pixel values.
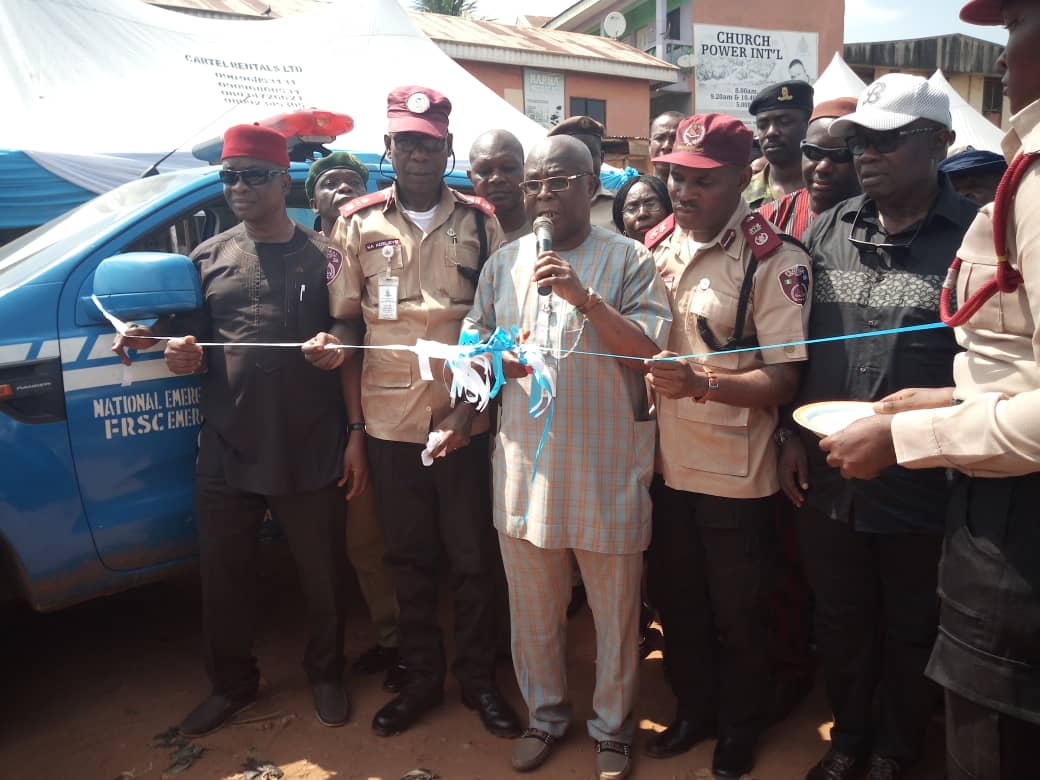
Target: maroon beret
(418, 110)
(709, 141)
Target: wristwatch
(358, 426)
(713, 385)
(781, 434)
(592, 300)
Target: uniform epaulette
(659, 232)
(373, 198)
(760, 235)
(476, 202)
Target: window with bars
(597, 109)
(992, 96)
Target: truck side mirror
(144, 285)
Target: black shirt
(857, 290)
(273, 423)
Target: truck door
(134, 431)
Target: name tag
(388, 298)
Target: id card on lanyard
(388, 289)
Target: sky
(865, 20)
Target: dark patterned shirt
(274, 424)
(860, 289)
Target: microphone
(543, 236)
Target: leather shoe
(404, 710)
(531, 749)
(331, 703)
(679, 737)
(733, 756)
(836, 765)
(495, 713)
(396, 678)
(884, 768)
(613, 760)
(376, 659)
(213, 713)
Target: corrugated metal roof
(493, 35)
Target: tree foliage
(446, 7)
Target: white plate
(828, 417)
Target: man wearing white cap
(871, 547)
(987, 654)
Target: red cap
(831, 109)
(984, 12)
(260, 143)
(710, 141)
(418, 110)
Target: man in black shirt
(871, 547)
(273, 436)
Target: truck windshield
(35, 251)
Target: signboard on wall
(735, 63)
(544, 96)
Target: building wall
(628, 100)
(826, 18)
(506, 81)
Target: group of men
(721, 325)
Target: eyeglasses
(816, 153)
(652, 205)
(884, 142)
(860, 243)
(554, 183)
(408, 143)
(251, 176)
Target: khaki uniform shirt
(432, 299)
(711, 447)
(995, 430)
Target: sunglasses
(409, 143)
(883, 142)
(554, 183)
(871, 246)
(251, 176)
(838, 156)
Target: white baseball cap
(895, 100)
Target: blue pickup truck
(96, 461)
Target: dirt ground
(88, 688)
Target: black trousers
(229, 523)
(876, 618)
(430, 513)
(709, 565)
(983, 744)
(790, 600)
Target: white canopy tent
(972, 128)
(96, 91)
(837, 80)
